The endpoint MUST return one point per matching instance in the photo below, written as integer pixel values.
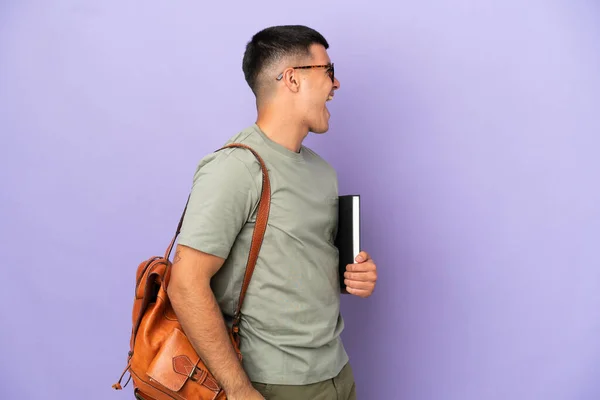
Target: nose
(336, 84)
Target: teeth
(330, 98)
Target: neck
(281, 128)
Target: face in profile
(317, 88)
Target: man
(291, 324)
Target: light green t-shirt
(291, 323)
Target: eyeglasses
(329, 70)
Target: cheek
(313, 106)
(319, 100)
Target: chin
(319, 130)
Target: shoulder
(233, 164)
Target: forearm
(202, 321)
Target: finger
(370, 276)
(359, 284)
(361, 267)
(359, 292)
(362, 257)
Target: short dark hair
(273, 43)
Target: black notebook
(348, 234)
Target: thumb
(361, 257)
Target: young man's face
(317, 87)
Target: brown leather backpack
(161, 361)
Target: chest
(304, 202)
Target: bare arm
(201, 319)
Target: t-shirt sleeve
(223, 197)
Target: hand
(360, 278)
(249, 394)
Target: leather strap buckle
(236, 320)
(201, 377)
(193, 374)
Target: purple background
(470, 128)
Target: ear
(291, 79)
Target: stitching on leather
(188, 369)
(154, 387)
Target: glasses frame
(329, 70)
